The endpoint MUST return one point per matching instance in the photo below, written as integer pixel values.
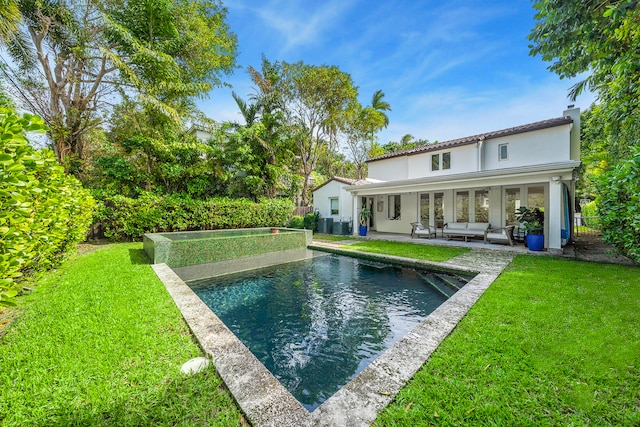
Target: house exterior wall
(322, 201)
(539, 160)
(531, 148)
(409, 205)
(525, 149)
(463, 159)
(389, 170)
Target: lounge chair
(504, 234)
(419, 230)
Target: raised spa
(201, 247)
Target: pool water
(315, 324)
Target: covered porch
(480, 197)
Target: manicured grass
(333, 238)
(101, 343)
(551, 342)
(409, 250)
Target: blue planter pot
(363, 230)
(535, 242)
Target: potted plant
(532, 221)
(364, 220)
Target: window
(435, 162)
(503, 152)
(334, 206)
(462, 206)
(394, 207)
(446, 160)
(482, 206)
(424, 209)
(438, 209)
(512, 204)
(535, 198)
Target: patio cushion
(457, 225)
(477, 226)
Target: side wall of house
(322, 199)
(531, 148)
(394, 169)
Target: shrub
(619, 205)
(296, 222)
(124, 218)
(311, 221)
(43, 211)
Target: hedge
(619, 205)
(124, 218)
(44, 212)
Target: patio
(518, 248)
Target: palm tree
(249, 111)
(405, 142)
(380, 106)
(9, 19)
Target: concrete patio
(517, 248)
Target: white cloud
(456, 112)
(301, 24)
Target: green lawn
(551, 342)
(409, 250)
(333, 237)
(102, 344)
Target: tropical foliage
(619, 205)
(43, 211)
(601, 39)
(125, 218)
(70, 58)
(595, 37)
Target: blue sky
(448, 69)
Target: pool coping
(266, 402)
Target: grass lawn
(333, 237)
(551, 342)
(409, 250)
(101, 343)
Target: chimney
(574, 113)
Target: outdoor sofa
(465, 229)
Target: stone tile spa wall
(198, 247)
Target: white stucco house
(480, 178)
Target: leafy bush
(590, 209)
(311, 221)
(619, 205)
(43, 211)
(124, 218)
(296, 222)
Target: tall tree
(315, 99)
(73, 55)
(360, 129)
(599, 38)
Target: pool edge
(267, 403)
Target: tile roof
(544, 124)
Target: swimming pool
(316, 324)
